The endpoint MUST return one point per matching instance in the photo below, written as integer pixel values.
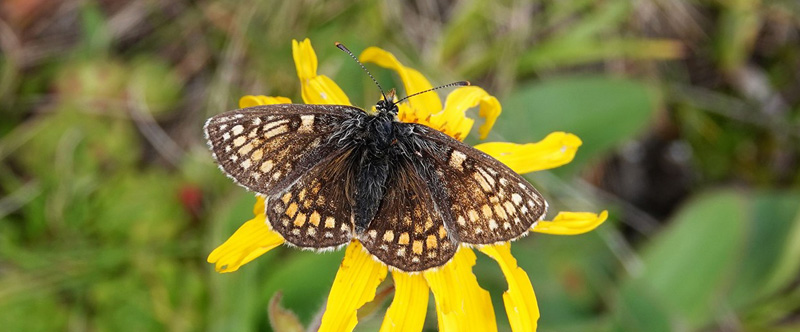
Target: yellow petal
(571, 223)
(555, 150)
(322, 90)
(461, 304)
(305, 60)
(251, 240)
(355, 284)
(250, 101)
(519, 299)
(316, 89)
(259, 208)
(410, 304)
(423, 105)
(452, 119)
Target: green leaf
(282, 319)
(772, 257)
(689, 265)
(602, 111)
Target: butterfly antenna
(343, 48)
(459, 83)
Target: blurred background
(689, 112)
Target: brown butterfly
(409, 193)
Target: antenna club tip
(467, 83)
(337, 44)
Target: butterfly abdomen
(375, 156)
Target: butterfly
(409, 193)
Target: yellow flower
(461, 304)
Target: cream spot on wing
(245, 149)
(296, 231)
(315, 218)
(291, 210)
(276, 175)
(489, 178)
(523, 210)
(307, 124)
(473, 215)
(267, 166)
(328, 235)
(506, 225)
(428, 223)
(516, 198)
(276, 131)
(286, 197)
(503, 181)
(330, 222)
(416, 247)
(401, 252)
(300, 219)
(486, 210)
(302, 195)
(239, 141)
(498, 210)
(457, 160)
(256, 121)
(311, 231)
(509, 207)
(226, 136)
(223, 127)
(461, 221)
(482, 182)
(237, 129)
(271, 125)
(403, 238)
(388, 236)
(245, 164)
(372, 234)
(257, 155)
(442, 232)
(478, 230)
(415, 259)
(492, 224)
(343, 227)
(407, 220)
(431, 241)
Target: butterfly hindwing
(408, 231)
(488, 202)
(314, 211)
(264, 148)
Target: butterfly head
(386, 105)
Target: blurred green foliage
(689, 112)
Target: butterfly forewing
(409, 232)
(489, 202)
(264, 148)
